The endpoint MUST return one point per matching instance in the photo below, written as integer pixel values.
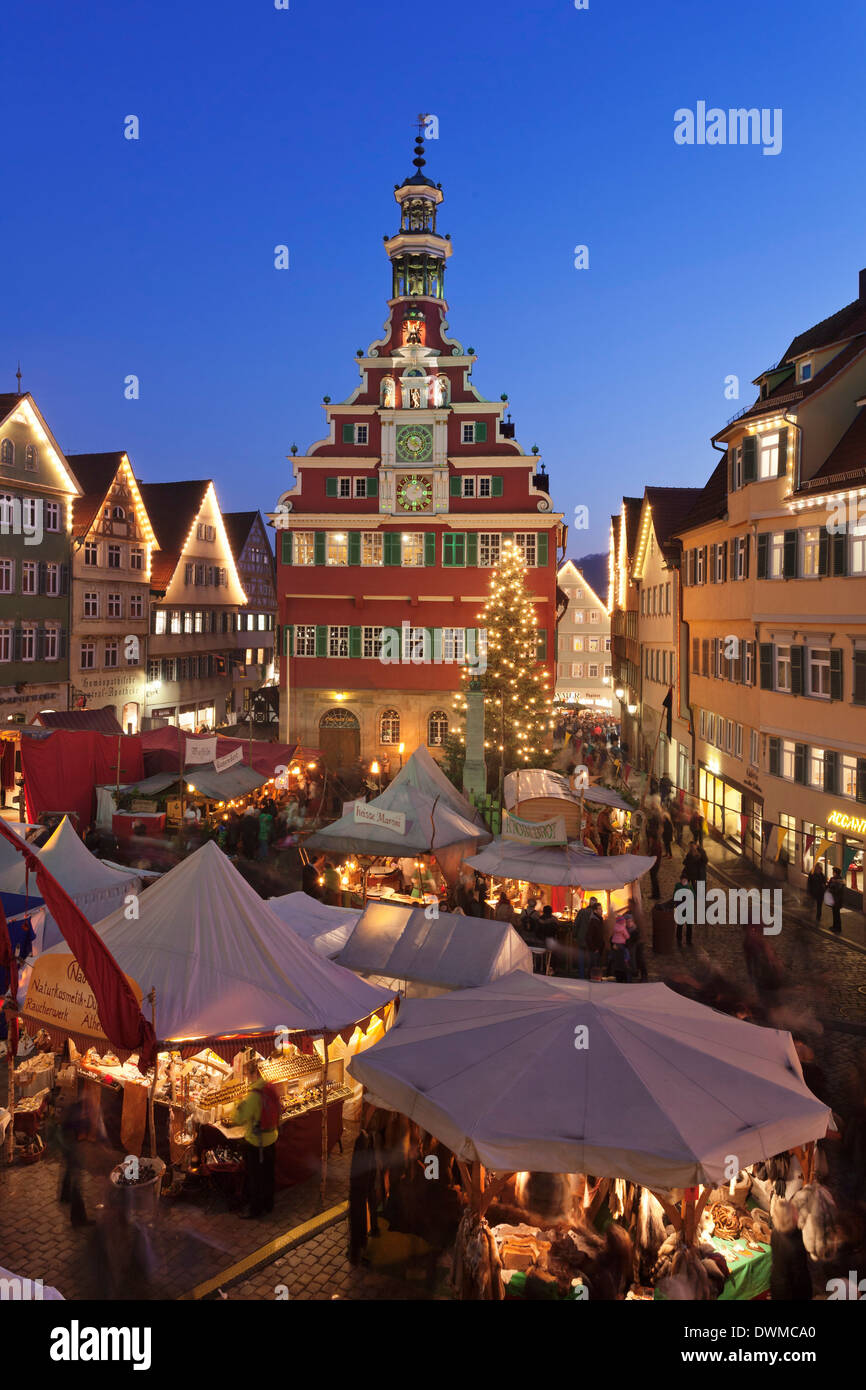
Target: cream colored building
(112, 547)
(584, 676)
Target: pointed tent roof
(223, 963)
(666, 1092)
(75, 868)
(423, 771)
(326, 929)
(430, 824)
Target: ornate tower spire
(418, 252)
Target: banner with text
(201, 750)
(365, 814)
(543, 832)
(236, 756)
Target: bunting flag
(668, 704)
(810, 840)
(849, 854)
(822, 849)
(122, 1021)
(626, 773)
(744, 826)
(773, 842)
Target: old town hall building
(395, 520)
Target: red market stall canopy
(663, 1092)
(62, 768)
(226, 970)
(161, 750)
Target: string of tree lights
(515, 684)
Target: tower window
(7, 452)
(389, 726)
(31, 457)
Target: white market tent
(94, 887)
(406, 949)
(571, 867)
(664, 1092)
(431, 824)
(326, 929)
(423, 772)
(223, 963)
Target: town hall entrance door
(339, 740)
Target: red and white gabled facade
(387, 538)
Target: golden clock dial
(414, 493)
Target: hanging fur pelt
(649, 1233)
(817, 1214)
(790, 1280)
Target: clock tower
(395, 520)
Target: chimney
(863, 285)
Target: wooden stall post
(151, 1120)
(326, 1039)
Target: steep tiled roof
(846, 462)
(100, 721)
(95, 474)
(238, 526)
(712, 501)
(9, 400)
(594, 570)
(172, 508)
(670, 507)
(633, 507)
(845, 323)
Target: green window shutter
(429, 547)
(859, 692)
(800, 763)
(330, 487)
(775, 754)
(750, 458)
(472, 547)
(321, 640)
(436, 648)
(797, 663)
(831, 771)
(455, 485)
(286, 547)
(541, 644)
(712, 573)
(725, 561)
(824, 553)
(496, 486)
(783, 454)
(481, 432)
(453, 548)
(348, 434)
(320, 547)
(747, 550)
(789, 559)
(704, 549)
(840, 553)
(354, 547)
(541, 550)
(392, 548)
(373, 487)
(861, 779)
(836, 673)
(766, 666)
(354, 641)
(763, 554)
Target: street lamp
(619, 692)
(400, 751)
(374, 772)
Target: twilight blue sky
(261, 126)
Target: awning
(574, 867)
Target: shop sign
(365, 814)
(750, 779)
(543, 832)
(200, 750)
(59, 996)
(236, 756)
(842, 821)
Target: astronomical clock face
(414, 493)
(414, 443)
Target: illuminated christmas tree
(515, 681)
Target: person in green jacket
(259, 1153)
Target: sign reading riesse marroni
(541, 832)
(374, 815)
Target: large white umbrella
(632, 1081)
(563, 867)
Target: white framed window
(810, 541)
(28, 642)
(7, 452)
(204, 532)
(777, 555)
(416, 643)
(489, 548)
(7, 576)
(338, 641)
(362, 434)
(720, 564)
(754, 750)
(389, 726)
(187, 621)
(114, 557)
(159, 621)
(52, 579)
(87, 656)
(110, 662)
(736, 468)
(52, 515)
(711, 728)
(592, 644)
(594, 615)
(31, 457)
(51, 642)
(371, 548)
(577, 670)
(372, 642)
(91, 604)
(136, 558)
(115, 605)
(577, 644)
(593, 672)
(578, 616)
(337, 551)
(788, 759)
(30, 509)
(816, 767)
(485, 486)
(527, 544)
(413, 548)
(344, 487)
(91, 553)
(783, 667)
(304, 548)
(768, 455)
(607, 674)
(857, 558)
(199, 625)
(5, 642)
(819, 672)
(729, 735)
(136, 605)
(467, 432)
(749, 664)
(848, 776)
(305, 639)
(607, 644)
(175, 624)
(29, 577)
(468, 486)
(738, 740)
(700, 577)
(453, 644)
(361, 484)
(702, 724)
(804, 371)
